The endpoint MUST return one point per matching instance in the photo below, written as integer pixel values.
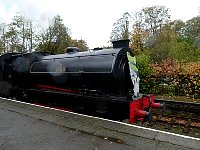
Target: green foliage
(137, 35)
(22, 35)
(81, 44)
(143, 62)
(192, 27)
(164, 45)
(155, 17)
(154, 33)
(56, 38)
(18, 35)
(178, 26)
(121, 28)
(144, 70)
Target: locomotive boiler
(97, 80)
(101, 72)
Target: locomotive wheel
(5, 89)
(22, 96)
(79, 110)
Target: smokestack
(121, 43)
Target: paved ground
(20, 132)
(23, 127)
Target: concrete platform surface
(26, 126)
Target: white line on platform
(135, 126)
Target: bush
(188, 80)
(144, 69)
(169, 77)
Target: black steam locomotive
(97, 80)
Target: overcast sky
(92, 20)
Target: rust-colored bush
(173, 78)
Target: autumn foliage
(170, 77)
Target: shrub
(178, 79)
(188, 80)
(146, 79)
(169, 77)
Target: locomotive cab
(6, 83)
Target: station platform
(26, 126)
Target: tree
(121, 28)
(155, 18)
(81, 44)
(164, 45)
(12, 40)
(138, 33)
(56, 38)
(147, 24)
(193, 32)
(17, 35)
(2, 38)
(24, 29)
(193, 27)
(188, 47)
(178, 26)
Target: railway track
(180, 104)
(179, 108)
(176, 124)
(178, 120)
(178, 117)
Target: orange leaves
(192, 68)
(170, 67)
(166, 68)
(183, 77)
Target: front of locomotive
(140, 108)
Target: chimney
(121, 43)
(71, 50)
